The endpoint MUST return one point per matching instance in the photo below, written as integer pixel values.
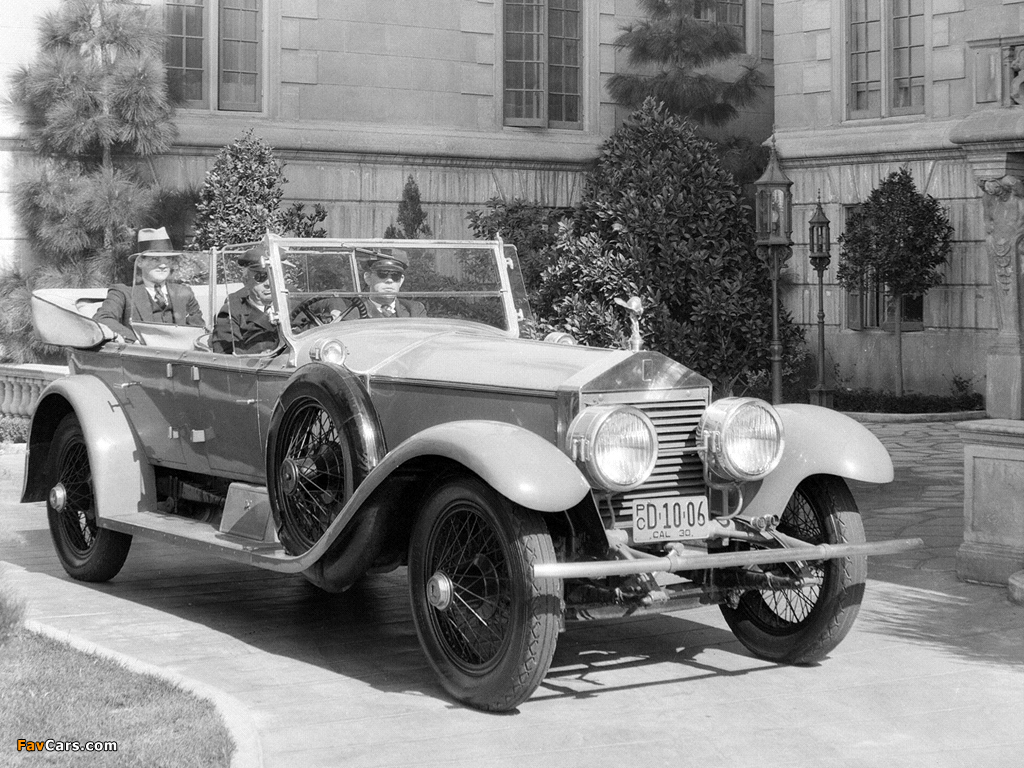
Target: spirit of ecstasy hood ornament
(635, 309)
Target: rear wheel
(800, 626)
(87, 552)
(487, 626)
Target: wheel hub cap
(58, 497)
(440, 591)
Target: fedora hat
(154, 241)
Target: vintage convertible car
(523, 483)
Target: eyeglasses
(389, 274)
(259, 275)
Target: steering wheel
(304, 309)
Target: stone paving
(932, 674)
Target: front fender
(819, 441)
(515, 462)
(122, 478)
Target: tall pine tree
(93, 104)
(673, 52)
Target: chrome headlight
(740, 438)
(616, 446)
(328, 351)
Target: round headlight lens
(741, 438)
(616, 445)
(560, 337)
(329, 351)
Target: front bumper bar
(675, 562)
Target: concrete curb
(237, 719)
(907, 418)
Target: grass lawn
(49, 690)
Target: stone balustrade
(21, 385)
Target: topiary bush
(240, 198)
(661, 219)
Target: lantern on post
(819, 244)
(773, 210)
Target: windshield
(314, 282)
(370, 282)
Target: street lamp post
(819, 247)
(773, 211)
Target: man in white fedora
(153, 298)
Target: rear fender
(122, 478)
(819, 441)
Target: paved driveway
(932, 674)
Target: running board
(673, 562)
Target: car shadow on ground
(367, 632)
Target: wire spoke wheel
(801, 625)
(86, 551)
(487, 626)
(467, 551)
(315, 472)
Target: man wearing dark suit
(384, 277)
(152, 298)
(247, 324)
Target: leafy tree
(529, 226)
(671, 51)
(899, 238)
(240, 199)
(661, 219)
(92, 103)
(412, 219)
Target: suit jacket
(364, 308)
(242, 327)
(125, 304)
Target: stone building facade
(863, 87)
(473, 98)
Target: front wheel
(801, 625)
(487, 626)
(87, 552)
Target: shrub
(240, 198)
(872, 401)
(662, 220)
(412, 219)
(298, 223)
(13, 429)
(531, 227)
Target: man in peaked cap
(152, 298)
(384, 276)
(246, 324)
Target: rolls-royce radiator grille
(679, 470)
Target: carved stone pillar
(1003, 203)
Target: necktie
(161, 298)
(388, 310)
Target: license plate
(671, 518)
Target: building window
(542, 63)
(872, 307)
(729, 13)
(214, 53)
(886, 57)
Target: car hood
(473, 355)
